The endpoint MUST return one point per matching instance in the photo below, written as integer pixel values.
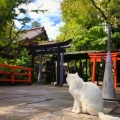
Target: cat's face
(71, 77)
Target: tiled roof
(34, 33)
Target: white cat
(87, 97)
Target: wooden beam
(43, 46)
(62, 50)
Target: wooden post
(40, 71)
(29, 76)
(61, 69)
(89, 67)
(81, 68)
(115, 71)
(97, 75)
(32, 62)
(74, 65)
(94, 70)
(58, 65)
(12, 77)
(86, 71)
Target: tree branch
(104, 16)
(11, 30)
(17, 33)
(11, 40)
(64, 36)
(6, 17)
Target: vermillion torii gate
(57, 48)
(97, 57)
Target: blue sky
(51, 19)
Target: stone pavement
(41, 102)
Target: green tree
(85, 23)
(8, 32)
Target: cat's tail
(102, 116)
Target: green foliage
(3, 60)
(85, 23)
(24, 60)
(95, 39)
(8, 15)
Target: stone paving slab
(64, 114)
(40, 102)
(22, 102)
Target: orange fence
(97, 57)
(10, 73)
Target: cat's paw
(76, 111)
(73, 110)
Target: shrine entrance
(49, 47)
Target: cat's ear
(67, 73)
(76, 73)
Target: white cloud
(18, 24)
(51, 19)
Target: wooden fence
(10, 73)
